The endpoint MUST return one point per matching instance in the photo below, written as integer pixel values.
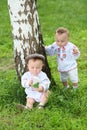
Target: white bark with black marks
(26, 32)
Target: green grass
(66, 110)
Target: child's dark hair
(62, 30)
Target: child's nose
(35, 69)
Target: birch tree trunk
(27, 38)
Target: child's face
(61, 39)
(35, 66)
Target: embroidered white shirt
(65, 58)
(30, 91)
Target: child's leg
(30, 102)
(64, 78)
(74, 77)
(65, 83)
(44, 98)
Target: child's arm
(45, 82)
(50, 50)
(26, 81)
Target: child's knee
(47, 93)
(30, 100)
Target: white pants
(72, 75)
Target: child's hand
(40, 89)
(75, 51)
(31, 82)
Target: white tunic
(65, 58)
(30, 91)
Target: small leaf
(36, 85)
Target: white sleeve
(25, 81)
(50, 50)
(45, 82)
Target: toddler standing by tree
(35, 82)
(66, 53)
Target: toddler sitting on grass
(35, 82)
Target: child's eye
(57, 41)
(62, 41)
(37, 67)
